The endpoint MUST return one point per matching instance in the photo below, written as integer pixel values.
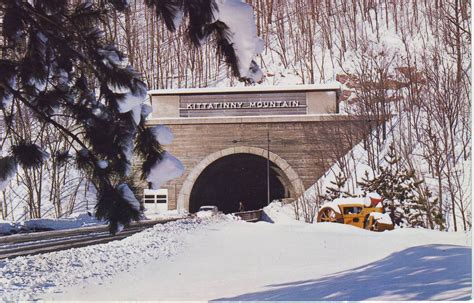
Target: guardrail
(250, 216)
(49, 241)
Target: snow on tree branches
(238, 18)
(231, 21)
(57, 65)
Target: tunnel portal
(237, 178)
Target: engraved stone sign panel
(258, 104)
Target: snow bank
(74, 221)
(382, 218)
(27, 278)
(7, 228)
(78, 220)
(168, 214)
(204, 214)
(235, 261)
(280, 213)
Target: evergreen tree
(407, 204)
(425, 211)
(336, 190)
(56, 62)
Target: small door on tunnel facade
(155, 201)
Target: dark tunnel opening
(236, 178)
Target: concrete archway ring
(283, 165)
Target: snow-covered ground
(28, 278)
(220, 258)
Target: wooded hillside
(409, 59)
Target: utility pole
(268, 166)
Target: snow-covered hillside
(220, 258)
(391, 58)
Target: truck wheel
(327, 214)
(366, 222)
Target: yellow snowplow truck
(360, 212)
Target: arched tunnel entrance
(238, 178)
